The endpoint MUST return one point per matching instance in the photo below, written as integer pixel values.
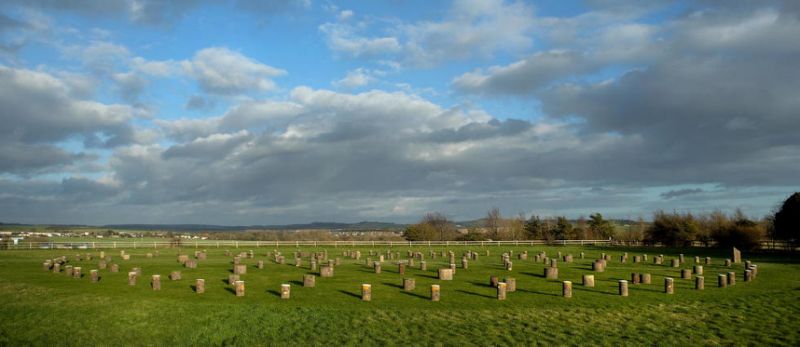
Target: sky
(273, 112)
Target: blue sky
(249, 112)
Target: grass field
(43, 308)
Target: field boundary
(258, 244)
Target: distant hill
(207, 227)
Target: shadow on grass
(481, 284)
(350, 293)
(193, 287)
(392, 285)
(536, 292)
(296, 282)
(274, 292)
(231, 290)
(592, 290)
(416, 295)
(475, 294)
(429, 276)
(533, 274)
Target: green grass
(42, 308)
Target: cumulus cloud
(40, 110)
(355, 78)
(222, 71)
(524, 76)
(470, 28)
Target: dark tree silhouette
(787, 221)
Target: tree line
(666, 228)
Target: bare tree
(444, 228)
(493, 223)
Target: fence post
(93, 245)
(115, 244)
(237, 244)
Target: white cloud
(222, 71)
(470, 28)
(355, 78)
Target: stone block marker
(114, 268)
(95, 275)
(68, 270)
(409, 284)
(239, 286)
(623, 288)
(635, 278)
(401, 268)
(377, 267)
(736, 255)
(309, 281)
(232, 279)
(669, 285)
(240, 269)
(76, 272)
(588, 281)
(509, 266)
(566, 289)
(731, 278)
(126, 257)
(681, 258)
(200, 286)
(435, 292)
(493, 281)
(676, 263)
(102, 265)
(727, 262)
(155, 282)
(686, 274)
(326, 271)
(182, 258)
(722, 280)
(698, 270)
(56, 268)
(132, 278)
(366, 292)
(551, 273)
(286, 291)
(511, 284)
(597, 266)
(260, 265)
(708, 261)
(464, 263)
(501, 290)
(699, 282)
(446, 274)
(423, 265)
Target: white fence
(243, 244)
